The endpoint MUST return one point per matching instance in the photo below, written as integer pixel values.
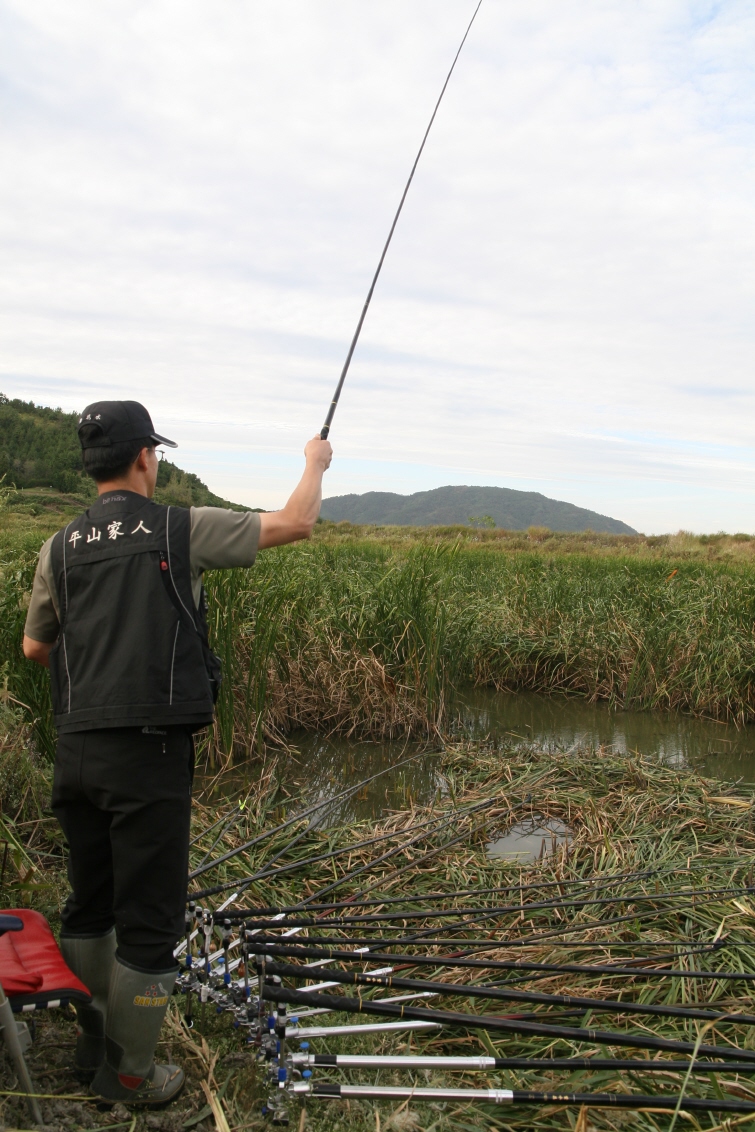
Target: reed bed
(647, 873)
(374, 636)
(371, 641)
(684, 545)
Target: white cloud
(194, 198)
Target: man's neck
(131, 483)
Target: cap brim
(163, 440)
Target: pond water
(718, 749)
(320, 769)
(528, 840)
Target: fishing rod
(418, 898)
(337, 395)
(223, 817)
(495, 1023)
(439, 820)
(635, 916)
(267, 871)
(501, 994)
(349, 903)
(520, 1097)
(503, 909)
(398, 849)
(628, 899)
(301, 950)
(518, 941)
(318, 858)
(601, 881)
(377, 943)
(530, 1064)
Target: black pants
(123, 798)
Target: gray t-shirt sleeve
(42, 619)
(220, 539)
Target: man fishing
(118, 614)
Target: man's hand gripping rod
(336, 396)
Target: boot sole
(104, 1103)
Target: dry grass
(683, 545)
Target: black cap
(119, 421)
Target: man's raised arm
(297, 519)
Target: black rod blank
(528, 1096)
(576, 1064)
(337, 395)
(503, 994)
(497, 1024)
(298, 950)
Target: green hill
(39, 448)
(480, 506)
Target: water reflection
(318, 768)
(717, 749)
(529, 840)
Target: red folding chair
(33, 976)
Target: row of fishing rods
(333, 912)
(271, 1028)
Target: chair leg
(13, 1045)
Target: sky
(194, 197)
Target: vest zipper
(173, 661)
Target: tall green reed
(423, 621)
(25, 682)
(367, 638)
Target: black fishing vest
(132, 650)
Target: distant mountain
(481, 506)
(39, 447)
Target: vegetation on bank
(682, 546)
(372, 635)
(371, 640)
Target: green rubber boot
(137, 1002)
(90, 957)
